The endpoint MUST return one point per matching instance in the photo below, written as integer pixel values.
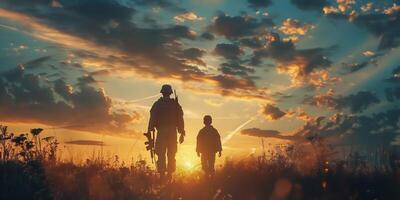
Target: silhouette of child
(208, 143)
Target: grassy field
(29, 170)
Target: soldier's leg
(171, 152)
(160, 150)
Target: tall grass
(29, 169)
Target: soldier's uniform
(208, 143)
(166, 116)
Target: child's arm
(198, 144)
(219, 145)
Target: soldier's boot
(169, 177)
(162, 177)
(161, 166)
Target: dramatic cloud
(367, 7)
(384, 25)
(392, 94)
(310, 4)
(207, 36)
(170, 5)
(273, 113)
(303, 65)
(187, 16)
(395, 77)
(295, 27)
(353, 67)
(355, 102)
(238, 26)
(369, 53)
(236, 69)
(112, 41)
(379, 128)
(341, 129)
(36, 62)
(234, 66)
(256, 132)
(193, 56)
(259, 3)
(253, 42)
(32, 99)
(392, 10)
(228, 51)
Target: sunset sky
(88, 71)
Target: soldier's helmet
(166, 89)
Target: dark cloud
(310, 4)
(272, 112)
(254, 42)
(285, 52)
(228, 51)
(256, 132)
(238, 26)
(35, 63)
(160, 3)
(63, 89)
(392, 94)
(102, 11)
(257, 57)
(259, 3)
(193, 55)
(28, 3)
(207, 36)
(86, 80)
(395, 77)
(355, 102)
(298, 63)
(342, 129)
(32, 99)
(385, 26)
(86, 142)
(109, 23)
(354, 67)
(230, 82)
(235, 68)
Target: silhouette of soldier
(208, 144)
(166, 116)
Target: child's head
(207, 120)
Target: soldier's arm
(181, 123)
(152, 120)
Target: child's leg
(212, 163)
(204, 162)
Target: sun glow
(188, 165)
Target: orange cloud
(295, 27)
(187, 16)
